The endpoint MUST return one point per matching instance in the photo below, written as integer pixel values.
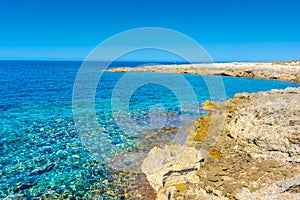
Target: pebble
(76, 156)
(11, 196)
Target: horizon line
(139, 60)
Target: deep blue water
(42, 154)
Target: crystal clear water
(42, 154)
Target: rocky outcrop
(267, 123)
(289, 71)
(171, 167)
(287, 188)
(254, 155)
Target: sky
(230, 30)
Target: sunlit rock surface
(271, 70)
(256, 155)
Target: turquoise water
(42, 154)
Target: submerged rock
(46, 169)
(25, 186)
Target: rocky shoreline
(246, 148)
(255, 156)
(287, 71)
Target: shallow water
(42, 153)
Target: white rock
(172, 164)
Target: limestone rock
(250, 150)
(173, 164)
(281, 70)
(282, 189)
(267, 124)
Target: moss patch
(180, 187)
(215, 154)
(202, 125)
(207, 105)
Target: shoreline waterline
(284, 71)
(38, 120)
(194, 187)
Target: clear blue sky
(228, 29)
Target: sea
(48, 148)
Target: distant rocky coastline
(246, 148)
(287, 71)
